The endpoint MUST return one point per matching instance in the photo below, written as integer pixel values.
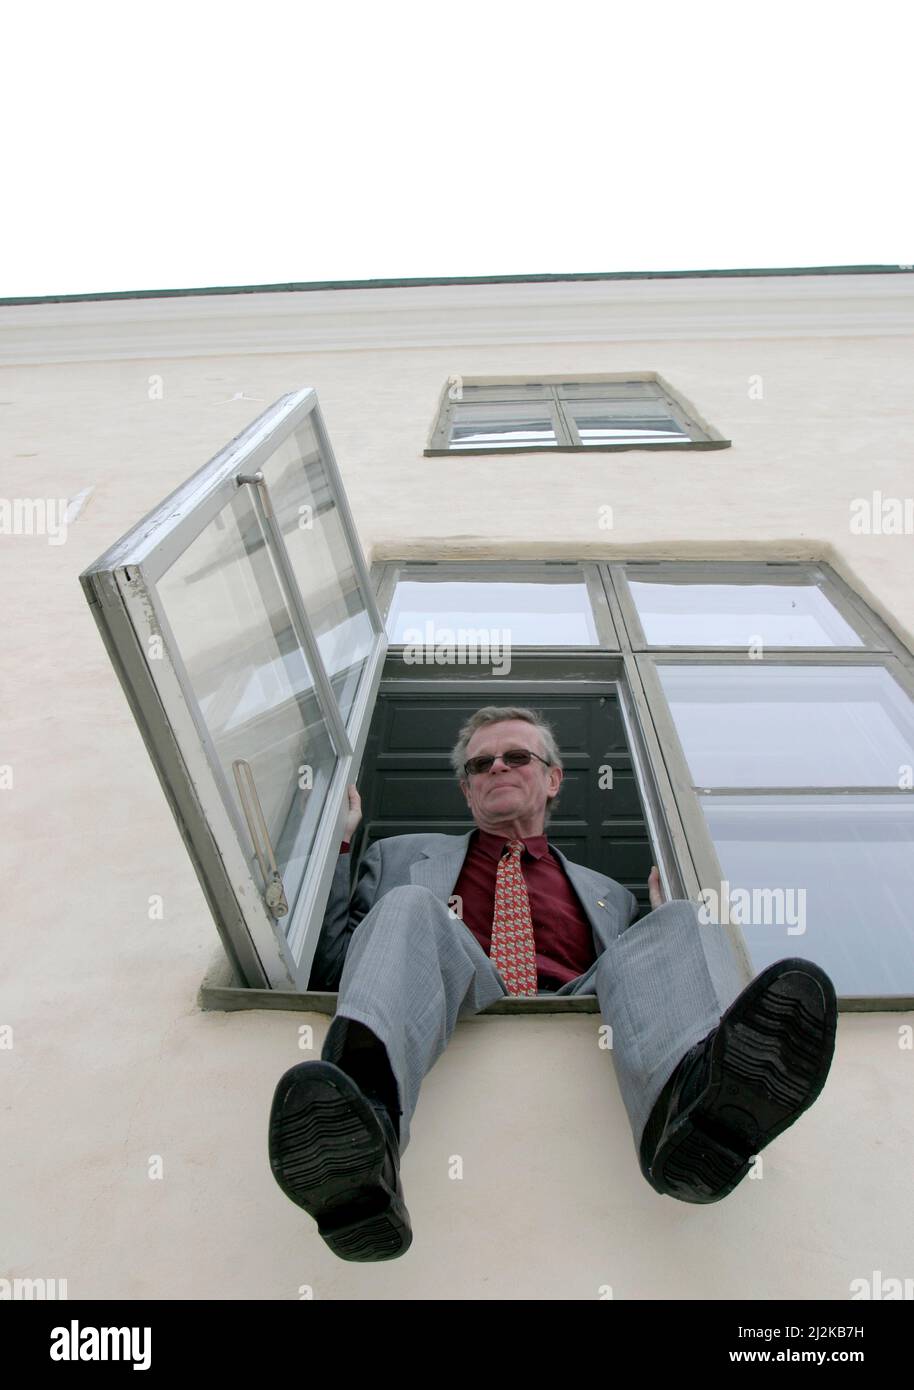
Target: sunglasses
(515, 757)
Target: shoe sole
(769, 1060)
(328, 1154)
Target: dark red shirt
(564, 936)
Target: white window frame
(121, 587)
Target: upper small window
(639, 411)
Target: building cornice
(492, 312)
(307, 285)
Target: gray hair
(497, 714)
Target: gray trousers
(412, 969)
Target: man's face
(515, 797)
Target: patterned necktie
(513, 947)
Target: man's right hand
(655, 888)
(355, 812)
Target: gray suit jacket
(434, 861)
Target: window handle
(274, 895)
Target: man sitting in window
(441, 926)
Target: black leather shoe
(742, 1085)
(335, 1152)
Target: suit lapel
(594, 896)
(439, 870)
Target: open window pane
(312, 529)
(827, 878)
(242, 640)
(253, 685)
(739, 615)
(524, 614)
(790, 725)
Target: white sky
(151, 146)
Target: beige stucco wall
(111, 1060)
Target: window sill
(220, 991)
(579, 449)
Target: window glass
(458, 390)
(624, 422)
(790, 726)
(739, 615)
(509, 425)
(319, 553)
(532, 614)
(827, 878)
(609, 390)
(223, 602)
